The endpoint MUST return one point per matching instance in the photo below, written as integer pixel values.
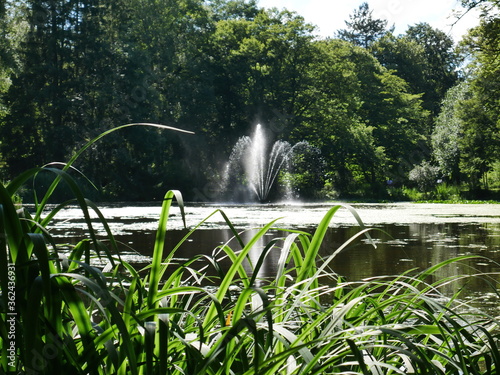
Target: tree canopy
(369, 101)
(362, 29)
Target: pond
(408, 236)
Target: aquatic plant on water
(72, 316)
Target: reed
(73, 317)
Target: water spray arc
(258, 163)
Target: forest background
(387, 116)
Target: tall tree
(233, 9)
(163, 77)
(362, 29)
(440, 63)
(486, 5)
(480, 142)
(38, 95)
(406, 57)
(480, 113)
(334, 103)
(369, 120)
(260, 70)
(448, 133)
(397, 116)
(66, 88)
(11, 32)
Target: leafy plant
(425, 176)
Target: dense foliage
(366, 98)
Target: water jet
(255, 164)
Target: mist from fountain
(258, 164)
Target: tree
(11, 34)
(233, 9)
(480, 112)
(396, 115)
(363, 30)
(425, 176)
(213, 67)
(39, 95)
(487, 5)
(440, 63)
(85, 69)
(260, 69)
(404, 56)
(480, 142)
(333, 109)
(164, 77)
(448, 133)
(363, 118)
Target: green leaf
(156, 272)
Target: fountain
(256, 165)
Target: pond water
(408, 236)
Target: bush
(446, 192)
(425, 176)
(494, 178)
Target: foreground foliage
(88, 311)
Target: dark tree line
(369, 100)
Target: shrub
(425, 176)
(446, 192)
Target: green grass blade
(307, 269)
(79, 314)
(156, 271)
(359, 357)
(17, 182)
(236, 266)
(13, 229)
(284, 258)
(260, 261)
(226, 219)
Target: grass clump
(71, 316)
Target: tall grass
(72, 317)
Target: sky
(329, 15)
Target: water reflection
(400, 247)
